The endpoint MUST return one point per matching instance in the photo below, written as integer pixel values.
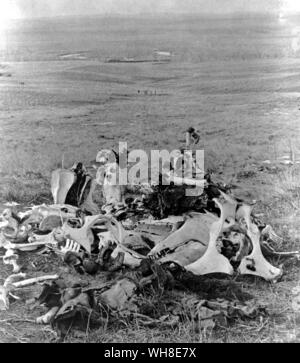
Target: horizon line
(163, 14)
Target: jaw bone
(255, 263)
(84, 235)
(212, 261)
(61, 182)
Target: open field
(236, 80)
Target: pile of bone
(201, 243)
(223, 236)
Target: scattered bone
(255, 263)
(61, 182)
(131, 258)
(84, 235)
(268, 233)
(185, 254)
(107, 176)
(9, 223)
(48, 317)
(10, 285)
(11, 258)
(196, 228)
(212, 261)
(34, 280)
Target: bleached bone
(229, 207)
(195, 228)
(8, 221)
(9, 286)
(70, 246)
(212, 261)
(61, 182)
(31, 246)
(107, 176)
(34, 280)
(84, 235)
(269, 234)
(46, 318)
(11, 229)
(10, 258)
(43, 211)
(255, 263)
(185, 254)
(270, 251)
(88, 204)
(5, 290)
(131, 258)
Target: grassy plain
(236, 80)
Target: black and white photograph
(149, 174)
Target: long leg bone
(255, 263)
(212, 261)
(9, 286)
(46, 318)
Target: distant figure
(192, 137)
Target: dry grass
(232, 83)
(281, 325)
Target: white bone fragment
(46, 318)
(61, 182)
(34, 280)
(255, 263)
(131, 258)
(185, 254)
(107, 176)
(10, 258)
(9, 286)
(195, 228)
(84, 235)
(229, 207)
(268, 233)
(60, 210)
(212, 261)
(71, 246)
(7, 221)
(88, 204)
(4, 299)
